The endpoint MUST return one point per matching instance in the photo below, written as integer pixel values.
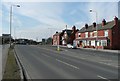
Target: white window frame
(104, 42)
(106, 33)
(86, 34)
(95, 32)
(79, 35)
(91, 34)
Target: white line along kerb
(103, 77)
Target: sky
(37, 20)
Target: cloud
(60, 0)
(36, 32)
(105, 10)
(119, 9)
(46, 13)
(49, 16)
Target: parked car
(71, 46)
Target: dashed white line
(68, 64)
(45, 55)
(105, 63)
(83, 58)
(103, 77)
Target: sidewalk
(102, 50)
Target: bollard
(58, 48)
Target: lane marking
(106, 60)
(68, 64)
(80, 58)
(109, 64)
(103, 77)
(83, 58)
(105, 63)
(45, 55)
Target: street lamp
(11, 20)
(96, 27)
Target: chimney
(73, 28)
(86, 26)
(115, 20)
(103, 22)
(94, 24)
(56, 31)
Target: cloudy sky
(37, 20)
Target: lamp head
(90, 10)
(18, 5)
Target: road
(44, 62)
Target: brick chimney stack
(73, 28)
(86, 26)
(115, 20)
(103, 22)
(94, 24)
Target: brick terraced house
(65, 37)
(57, 37)
(107, 35)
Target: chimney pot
(86, 26)
(115, 20)
(103, 22)
(94, 24)
(56, 31)
(74, 28)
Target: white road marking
(66, 50)
(83, 58)
(105, 63)
(68, 64)
(45, 55)
(109, 64)
(103, 77)
(106, 60)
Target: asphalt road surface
(44, 62)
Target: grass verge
(12, 69)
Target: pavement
(44, 62)
(3, 55)
(102, 50)
(1, 62)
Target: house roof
(58, 33)
(68, 31)
(91, 28)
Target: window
(106, 33)
(95, 33)
(91, 34)
(86, 34)
(79, 35)
(104, 42)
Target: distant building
(57, 38)
(65, 37)
(44, 41)
(107, 35)
(6, 38)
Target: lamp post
(11, 7)
(96, 28)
